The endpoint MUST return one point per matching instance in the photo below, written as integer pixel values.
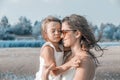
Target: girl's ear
(78, 34)
(45, 36)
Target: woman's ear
(78, 34)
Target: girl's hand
(75, 62)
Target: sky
(95, 11)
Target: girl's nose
(57, 32)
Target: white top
(58, 59)
(69, 74)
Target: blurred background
(20, 34)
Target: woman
(77, 35)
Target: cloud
(52, 1)
(115, 2)
(14, 1)
(2, 13)
(1, 1)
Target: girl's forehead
(53, 25)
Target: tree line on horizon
(24, 27)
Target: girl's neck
(56, 44)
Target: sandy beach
(24, 62)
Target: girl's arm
(46, 72)
(74, 62)
(48, 54)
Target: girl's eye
(53, 31)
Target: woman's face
(68, 35)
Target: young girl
(52, 51)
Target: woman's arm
(83, 71)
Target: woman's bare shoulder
(85, 58)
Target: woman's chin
(65, 45)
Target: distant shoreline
(106, 44)
(39, 43)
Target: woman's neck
(76, 48)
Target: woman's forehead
(65, 25)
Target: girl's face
(68, 35)
(53, 32)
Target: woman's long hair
(87, 41)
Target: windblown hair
(87, 41)
(45, 22)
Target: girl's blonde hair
(45, 22)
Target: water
(21, 43)
(11, 76)
(99, 76)
(39, 43)
(106, 44)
